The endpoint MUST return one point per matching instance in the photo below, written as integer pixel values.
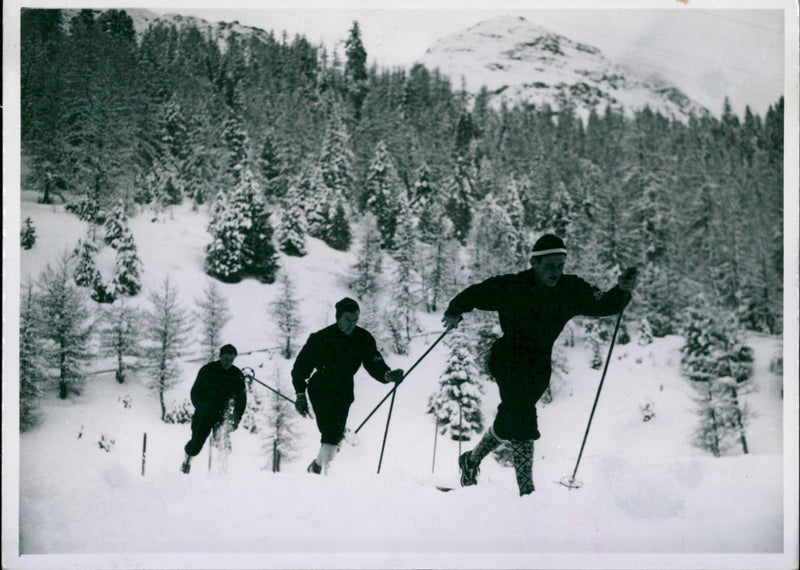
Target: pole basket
(571, 482)
(351, 438)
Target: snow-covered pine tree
(128, 274)
(236, 141)
(279, 431)
(438, 265)
(213, 314)
(116, 224)
(494, 240)
(69, 327)
(259, 257)
(460, 201)
(228, 227)
(366, 273)
(318, 201)
(456, 404)
(269, 163)
(32, 362)
(402, 320)
(291, 234)
(719, 366)
(384, 194)
(339, 236)
(120, 335)
(27, 235)
(167, 330)
(85, 271)
(284, 312)
(336, 159)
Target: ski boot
(314, 467)
(469, 472)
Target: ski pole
(144, 451)
(435, 437)
(570, 481)
(386, 431)
(391, 393)
(252, 376)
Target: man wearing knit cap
(533, 306)
(331, 357)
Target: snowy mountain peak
(518, 61)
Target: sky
(708, 53)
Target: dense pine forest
(302, 141)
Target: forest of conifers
(173, 115)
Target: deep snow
(649, 498)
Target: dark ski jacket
(215, 387)
(532, 318)
(334, 357)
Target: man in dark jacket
(333, 355)
(533, 306)
(219, 397)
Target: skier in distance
(533, 306)
(331, 357)
(219, 385)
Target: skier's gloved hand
(301, 404)
(627, 281)
(451, 321)
(395, 376)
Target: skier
(333, 355)
(218, 388)
(533, 306)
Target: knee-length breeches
(521, 382)
(330, 411)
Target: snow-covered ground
(649, 498)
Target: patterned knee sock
(485, 446)
(522, 451)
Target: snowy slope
(649, 497)
(518, 61)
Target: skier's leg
(469, 461)
(522, 451)
(202, 423)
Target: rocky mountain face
(518, 61)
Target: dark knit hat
(228, 349)
(548, 244)
(346, 305)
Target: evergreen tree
(338, 236)
(259, 257)
(280, 431)
(167, 330)
(85, 271)
(284, 311)
(720, 367)
(439, 263)
(269, 163)
(645, 332)
(366, 281)
(460, 202)
(228, 228)
(120, 335)
(384, 194)
(213, 314)
(356, 69)
(69, 327)
(32, 362)
(27, 236)
(128, 275)
(293, 227)
(456, 404)
(336, 158)
(402, 319)
(116, 225)
(495, 241)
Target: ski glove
(301, 404)
(395, 376)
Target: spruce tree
(27, 236)
(719, 366)
(213, 314)
(456, 404)
(69, 327)
(32, 361)
(291, 234)
(405, 290)
(259, 257)
(366, 279)
(128, 276)
(356, 69)
(120, 335)
(116, 225)
(460, 202)
(645, 336)
(85, 271)
(228, 228)
(284, 311)
(167, 332)
(384, 194)
(439, 264)
(339, 236)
